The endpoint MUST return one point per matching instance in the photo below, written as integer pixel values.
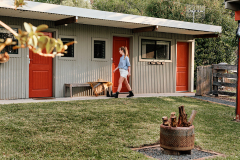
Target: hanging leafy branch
(19, 3)
(35, 41)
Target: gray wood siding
(145, 78)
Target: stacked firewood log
(182, 119)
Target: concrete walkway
(93, 98)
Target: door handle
(29, 60)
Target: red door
(182, 66)
(40, 75)
(117, 43)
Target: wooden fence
(211, 78)
(204, 80)
(221, 72)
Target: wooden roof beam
(145, 29)
(207, 36)
(66, 21)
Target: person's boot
(130, 94)
(116, 95)
(112, 94)
(108, 95)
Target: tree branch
(9, 29)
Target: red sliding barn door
(117, 43)
(40, 74)
(182, 66)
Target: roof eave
(102, 16)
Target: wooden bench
(71, 85)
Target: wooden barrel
(177, 138)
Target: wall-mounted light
(66, 24)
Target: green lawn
(106, 129)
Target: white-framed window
(71, 50)
(99, 49)
(155, 49)
(4, 34)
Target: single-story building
(161, 51)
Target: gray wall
(145, 78)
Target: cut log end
(174, 121)
(165, 121)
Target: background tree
(136, 7)
(73, 3)
(77, 3)
(49, 1)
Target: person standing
(124, 69)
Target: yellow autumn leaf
(41, 27)
(8, 41)
(34, 29)
(27, 27)
(50, 45)
(59, 45)
(35, 41)
(40, 34)
(30, 42)
(42, 41)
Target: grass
(106, 129)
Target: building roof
(52, 12)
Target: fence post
(215, 79)
(199, 81)
(210, 74)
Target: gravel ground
(216, 100)
(156, 152)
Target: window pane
(4, 34)
(148, 49)
(162, 50)
(70, 50)
(99, 49)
